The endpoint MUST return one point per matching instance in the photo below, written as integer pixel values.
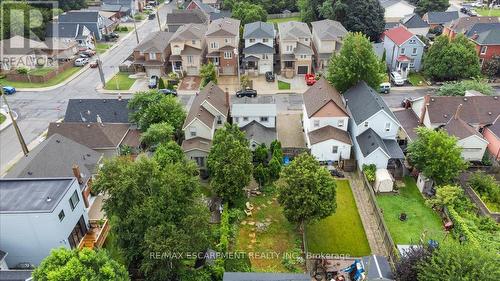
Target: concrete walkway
(372, 231)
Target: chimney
(427, 99)
(457, 113)
(77, 174)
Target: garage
(302, 69)
(150, 71)
(191, 70)
(263, 68)
(228, 70)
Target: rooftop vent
(489, 112)
(58, 141)
(30, 173)
(445, 115)
(48, 199)
(432, 99)
(465, 99)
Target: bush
(461, 230)
(459, 88)
(22, 70)
(486, 186)
(161, 84)
(369, 171)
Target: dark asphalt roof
(79, 16)
(258, 29)
(30, 195)
(259, 133)
(261, 276)
(369, 141)
(186, 16)
(409, 121)
(485, 33)
(475, 110)
(64, 30)
(414, 21)
(155, 42)
(441, 17)
(258, 48)
(92, 135)
(2, 255)
(460, 129)
(495, 128)
(86, 110)
(15, 275)
(363, 102)
(55, 157)
(327, 133)
(389, 25)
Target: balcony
(96, 235)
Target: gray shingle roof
(223, 26)
(363, 102)
(62, 30)
(327, 133)
(186, 16)
(369, 141)
(15, 275)
(293, 30)
(261, 276)
(155, 42)
(409, 121)
(215, 96)
(197, 143)
(485, 33)
(92, 135)
(320, 94)
(302, 49)
(329, 29)
(86, 110)
(79, 16)
(441, 17)
(258, 48)
(388, 3)
(462, 25)
(259, 133)
(189, 32)
(258, 29)
(414, 21)
(204, 7)
(460, 129)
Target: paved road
(37, 109)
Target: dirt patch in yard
(290, 132)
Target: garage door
(192, 70)
(228, 70)
(153, 71)
(263, 68)
(302, 69)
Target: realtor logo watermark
(23, 23)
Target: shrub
(461, 230)
(459, 88)
(22, 70)
(486, 186)
(369, 171)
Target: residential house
(21, 52)
(209, 111)
(211, 11)
(151, 55)
(7, 274)
(106, 138)
(373, 128)
(327, 36)
(257, 120)
(214, 3)
(177, 18)
(295, 48)
(403, 50)
(69, 32)
(378, 49)
(486, 37)
(93, 110)
(92, 20)
(396, 8)
(259, 47)
(117, 10)
(130, 6)
(222, 39)
(38, 215)
(325, 120)
(492, 134)
(188, 49)
(464, 24)
(440, 19)
(60, 49)
(415, 24)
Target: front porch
(403, 65)
(176, 62)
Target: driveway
(229, 82)
(189, 84)
(289, 129)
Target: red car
(94, 64)
(310, 79)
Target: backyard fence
(16, 77)
(283, 15)
(482, 208)
(381, 226)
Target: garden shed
(383, 181)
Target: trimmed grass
(41, 71)
(120, 81)
(280, 237)
(415, 78)
(102, 47)
(342, 232)
(2, 118)
(283, 85)
(284, 19)
(54, 81)
(420, 217)
(486, 12)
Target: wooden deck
(96, 235)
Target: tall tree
(67, 5)
(306, 190)
(453, 59)
(230, 163)
(356, 61)
(154, 209)
(406, 266)
(68, 265)
(208, 72)
(437, 155)
(247, 12)
(168, 153)
(157, 133)
(424, 6)
(152, 107)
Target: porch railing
(96, 236)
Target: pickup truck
(310, 79)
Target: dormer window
(484, 49)
(412, 41)
(152, 56)
(289, 48)
(366, 124)
(251, 40)
(264, 40)
(340, 124)
(219, 120)
(192, 132)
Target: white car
(148, 8)
(478, 4)
(397, 79)
(81, 61)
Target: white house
(325, 120)
(396, 8)
(404, 50)
(259, 47)
(257, 121)
(373, 127)
(38, 215)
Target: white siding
(270, 42)
(241, 121)
(325, 121)
(201, 130)
(378, 122)
(323, 151)
(473, 148)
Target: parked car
(477, 4)
(397, 79)
(153, 82)
(152, 16)
(84, 55)
(168, 92)
(337, 173)
(81, 61)
(114, 35)
(148, 7)
(310, 79)
(385, 88)
(94, 64)
(89, 52)
(472, 13)
(152, 3)
(269, 76)
(246, 93)
(8, 90)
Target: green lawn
(283, 85)
(54, 81)
(2, 118)
(342, 232)
(41, 71)
(416, 78)
(420, 217)
(102, 47)
(120, 81)
(284, 19)
(486, 12)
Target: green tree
(451, 59)
(152, 107)
(356, 61)
(261, 174)
(459, 88)
(450, 196)
(492, 67)
(261, 154)
(248, 12)
(275, 166)
(306, 190)
(157, 133)
(208, 73)
(68, 5)
(436, 155)
(424, 6)
(453, 261)
(307, 10)
(169, 153)
(229, 163)
(68, 265)
(154, 209)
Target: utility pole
(14, 123)
(135, 29)
(99, 63)
(158, 17)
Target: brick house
(151, 55)
(486, 36)
(223, 37)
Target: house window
(303, 56)
(219, 120)
(73, 200)
(316, 123)
(192, 132)
(190, 59)
(289, 48)
(236, 119)
(366, 124)
(61, 215)
(228, 55)
(265, 56)
(193, 42)
(387, 126)
(306, 39)
(414, 51)
(214, 45)
(251, 40)
(335, 149)
(227, 40)
(200, 161)
(402, 51)
(340, 123)
(412, 62)
(264, 119)
(288, 64)
(484, 49)
(245, 118)
(152, 56)
(412, 41)
(265, 40)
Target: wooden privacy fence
(16, 77)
